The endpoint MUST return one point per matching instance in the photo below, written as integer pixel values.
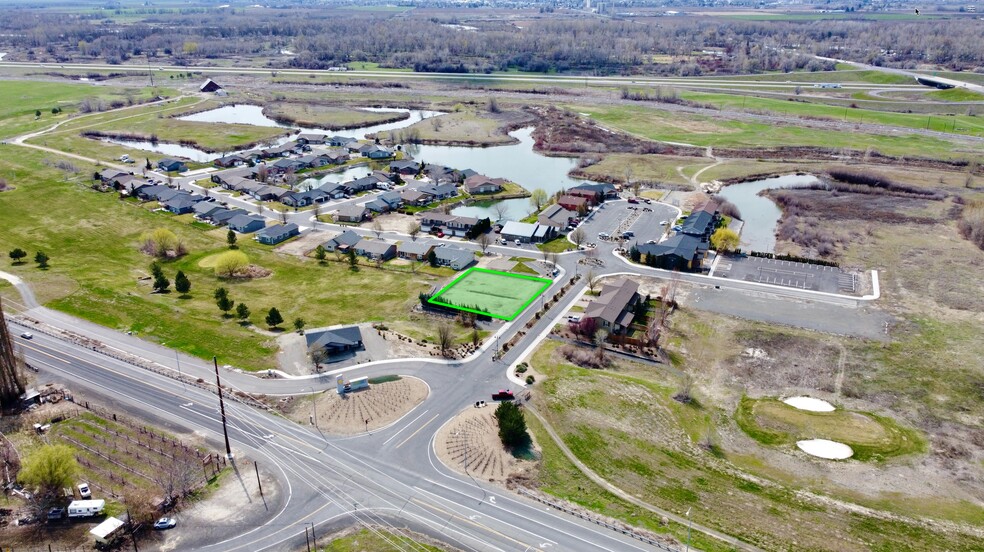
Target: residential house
(238, 183)
(128, 182)
(363, 184)
(415, 250)
(375, 249)
(111, 176)
(385, 202)
(167, 195)
(404, 167)
(700, 224)
(181, 204)
(268, 193)
(680, 252)
(336, 157)
(377, 152)
(171, 165)
(573, 203)
(351, 213)
(481, 184)
(314, 160)
(229, 161)
(240, 172)
(342, 242)
(454, 257)
(210, 86)
(335, 341)
(602, 192)
(527, 233)
(221, 218)
(312, 138)
(556, 216)
(246, 223)
(204, 209)
(416, 197)
(303, 199)
(284, 166)
(612, 310)
(452, 225)
(341, 141)
(440, 173)
(334, 190)
(277, 233)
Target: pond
(761, 214)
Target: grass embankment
(471, 127)
(375, 540)
(645, 168)
(956, 95)
(93, 240)
(698, 130)
(624, 425)
(557, 245)
(23, 98)
(328, 117)
(841, 76)
(872, 437)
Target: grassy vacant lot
(93, 240)
(772, 422)
(374, 540)
(956, 95)
(646, 168)
(326, 116)
(624, 425)
(468, 126)
(661, 125)
(23, 98)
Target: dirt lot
(381, 404)
(470, 444)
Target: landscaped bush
(512, 425)
(583, 357)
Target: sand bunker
(381, 404)
(472, 439)
(822, 448)
(809, 403)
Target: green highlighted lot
(497, 294)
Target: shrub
(530, 379)
(512, 425)
(231, 263)
(971, 223)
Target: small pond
(761, 214)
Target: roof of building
(415, 247)
(226, 214)
(446, 218)
(451, 254)
(376, 247)
(352, 210)
(107, 527)
(604, 188)
(278, 230)
(347, 237)
(204, 208)
(572, 200)
(244, 219)
(681, 245)
(515, 228)
(613, 301)
(349, 336)
(697, 223)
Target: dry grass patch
(381, 404)
(470, 444)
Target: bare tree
(290, 178)
(499, 208)
(316, 212)
(685, 393)
(592, 279)
(484, 241)
(413, 230)
(377, 228)
(178, 477)
(600, 337)
(282, 213)
(578, 236)
(445, 337)
(318, 357)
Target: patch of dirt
(305, 243)
(470, 444)
(381, 404)
(392, 222)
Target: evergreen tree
(181, 283)
(17, 255)
(231, 238)
(242, 311)
(42, 259)
(512, 425)
(320, 253)
(273, 318)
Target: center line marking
(412, 435)
(405, 427)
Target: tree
(499, 208)
(148, 166)
(231, 238)
(445, 337)
(592, 279)
(37, 113)
(587, 327)
(178, 477)
(484, 241)
(299, 325)
(42, 259)
(413, 230)
(181, 283)
(49, 469)
(161, 283)
(432, 258)
(724, 239)
(538, 198)
(512, 425)
(223, 302)
(231, 263)
(242, 313)
(601, 336)
(320, 253)
(274, 318)
(17, 255)
(352, 259)
(12, 382)
(162, 243)
(377, 228)
(578, 236)
(318, 356)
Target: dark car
(503, 395)
(56, 514)
(633, 200)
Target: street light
(177, 361)
(314, 408)
(690, 525)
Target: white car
(165, 523)
(84, 490)
(27, 335)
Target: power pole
(225, 430)
(11, 379)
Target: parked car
(677, 228)
(503, 395)
(56, 514)
(165, 523)
(84, 490)
(664, 222)
(518, 242)
(633, 200)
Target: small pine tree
(299, 325)
(512, 425)
(17, 255)
(231, 238)
(242, 311)
(273, 318)
(223, 302)
(42, 259)
(352, 259)
(181, 283)
(161, 283)
(320, 253)
(432, 258)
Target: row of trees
(273, 317)
(17, 256)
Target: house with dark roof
(613, 308)
(334, 190)
(573, 203)
(351, 213)
(601, 192)
(377, 152)
(286, 165)
(363, 184)
(416, 197)
(481, 184)
(221, 177)
(151, 193)
(229, 161)
(221, 218)
(335, 341)
(312, 138)
(110, 176)
(204, 209)
(385, 202)
(452, 225)
(277, 233)
(245, 223)
(414, 250)
(303, 199)
(342, 242)
(679, 252)
(700, 224)
(171, 165)
(314, 160)
(454, 257)
(336, 157)
(209, 86)
(167, 195)
(404, 166)
(341, 141)
(183, 203)
(556, 216)
(375, 249)
(268, 193)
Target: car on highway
(633, 200)
(27, 335)
(165, 523)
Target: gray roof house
(700, 224)
(680, 252)
(169, 165)
(375, 249)
(345, 240)
(377, 152)
(312, 138)
(149, 193)
(341, 141)
(183, 203)
(351, 213)
(556, 216)
(526, 232)
(453, 225)
(335, 190)
(245, 223)
(301, 199)
(612, 309)
(415, 250)
(204, 209)
(481, 184)
(335, 341)
(454, 257)
(277, 233)
(384, 202)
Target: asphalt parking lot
(615, 217)
(787, 273)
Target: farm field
(497, 294)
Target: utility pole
(314, 539)
(256, 467)
(225, 430)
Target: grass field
(374, 540)
(661, 125)
(844, 76)
(498, 294)
(325, 116)
(93, 240)
(23, 98)
(956, 95)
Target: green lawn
(22, 98)
(326, 116)
(377, 540)
(93, 240)
(956, 95)
(847, 75)
(708, 131)
(498, 294)
(557, 245)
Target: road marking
(472, 523)
(412, 435)
(405, 427)
(35, 349)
